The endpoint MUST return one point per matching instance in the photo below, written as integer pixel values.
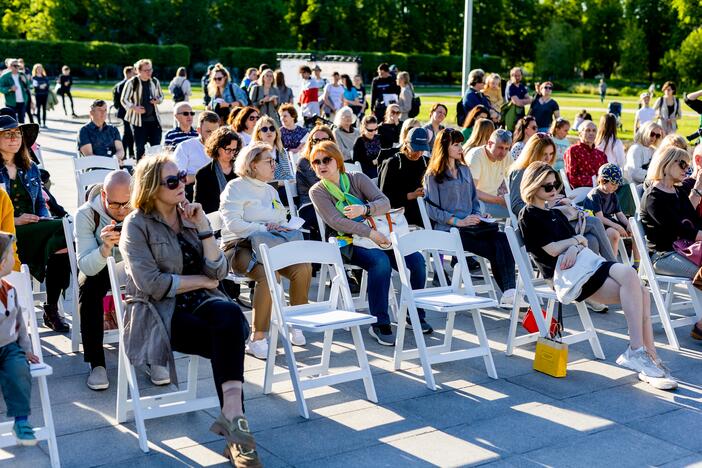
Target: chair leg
(400, 337)
(137, 410)
(392, 301)
(326, 351)
(422, 346)
(75, 326)
(295, 378)
(270, 360)
(696, 297)
(192, 377)
(513, 321)
(591, 331)
(49, 422)
(448, 335)
(663, 314)
(486, 276)
(484, 343)
(363, 364)
(122, 386)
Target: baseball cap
(418, 139)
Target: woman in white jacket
(646, 140)
(252, 214)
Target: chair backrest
(22, 281)
(87, 179)
(576, 194)
(216, 221)
(321, 224)
(424, 240)
(154, 149)
(426, 221)
(85, 163)
(636, 195)
(566, 183)
(116, 290)
(70, 246)
(352, 167)
(639, 236)
(291, 193)
(513, 221)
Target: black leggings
(41, 108)
(63, 101)
(217, 331)
(58, 277)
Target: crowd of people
(349, 158)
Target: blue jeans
(379, 265)
(15, 380)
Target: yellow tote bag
(552, 356)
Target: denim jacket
(31, 179)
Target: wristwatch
(205, 234)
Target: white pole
(467, 35)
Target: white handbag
(569, 283)
(392, 221)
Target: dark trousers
(41, 108)
(63, 101)
(90, 293)
(58, 277)
(20, 109)
(217, 330)
(28, 110)
(15, 380)
(148, 132)
(495, 248)
(128, 139)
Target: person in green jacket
(15, 87)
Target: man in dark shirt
(474, 95)
(383, 84)
(401, 176)
(97, 137)
(183, 115)
(128, 133)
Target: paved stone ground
(599, 415)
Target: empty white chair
(576, 194)
(91, 170)
(663, 289)
(153, 149)
(22, 281)
(336, 313)
(352, 167)
(536, 290)
(149, 407)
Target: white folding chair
(90, 170)
(665, 289)
(22, 281)
(290, 194)
(153, 149)
(459, 296)
(352, 167)
(537, 290)
(86, 163)
(149, 407)
(576, 194)
(487, 288)
(336, 313)
(636, 195)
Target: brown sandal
(241, 445)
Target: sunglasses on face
(325, 161)
(656, 135)
(192, 114)
(173, 182)
(117, 205)
(395, 112)
(548, 188)
(218, 78)
(684, 165)
(268, 129)
(372, 130)
(315, 141)
(548, 87)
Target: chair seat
(441, 301)
(238, 279)
(673, 279)
(545, 291)
(41, 369)
(312, 321)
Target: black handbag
(416, 104)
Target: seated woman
(668, 213)
(222, 146)
(612, 283)
(476, 113)
(389, 130)
(266, 131)
(367, 147)
(343, 200)
(345, 132)
(253, 214)
(292, 134)
(244, 123)
(639, 155)
(305, 178)
(452, 200)
(39, 238)
(173, 269)
(480, 135)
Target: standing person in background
(292, 135)
(351, 97)
(333, 96)
(406, 94)
(64, 82)
(646, 113)
(517, 95)
(179, 87)
(437, 114)
(474, 95)
(40, 83)
(140, 97)
(382, 90)
(128, 133)
(204, 83)
(285, 93)
(367, 147)
(361, 88)
(345, 132)
(668, 109)
(389, 130)
(544, 108)
(493, 91)
(250, 77)
(225, 94)
(28, 79)
(602, 88)
(183, 115)
(264, 95)
(309, 96)
(14, 86)
(559, 135)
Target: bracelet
(367, 206)
(205, 234)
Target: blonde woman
(406, 94)
(224, 94)
(550, 239)
(266, 131)
(252, 213)
(174, 267)
(482, 130)
(389, 130)
(638, 158)
(408, 125)
(264, 95)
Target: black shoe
(473, 265)
(383, 334)
(426, 328)
(53, 320)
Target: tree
(558, 53)
(661, 31)
(687, 60)
(602, 30)
(634, 57)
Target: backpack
(416, 104)
(460, 113)
(178, 94)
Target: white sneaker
(665, 383)
(258, 348)
(297, 338)
(639, 360)
(508, 298)
(159, 375)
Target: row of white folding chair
(149, 407)
(665, 289)
(91, 170)
(22, 281)
(576, 194)
(537, 290)
(487, 288)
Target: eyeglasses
(325, 161)
(548, 188)
(268, 129)
(270, 161)
(218, 78)
(372, 130)
(548, 87)
(656, 135)
(684, 165)
(253, 118)
(192, 114)
(231, 150)
(9, 135)
(173, 182)
(117, 205)
(147, 70)
(315, 141)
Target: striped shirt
(176, 136)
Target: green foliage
(634, 57)
(602, 30)
(687, 60)
(558, 52)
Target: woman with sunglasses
(525, 128)
(452, 200)
(264, 95)
(549, 238)
(343, 200)
(224, 94)
(252, 213)
(389, 130)
(266, 131)
(222, 147)
(244, 124)
(639, 156)
(174, 267)
(367, 147)
(544, 108)
(40, 240)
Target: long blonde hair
(147, 180)
(212, 87)
(659, 165)
(482, 130)
(267, 121)
(533, 151)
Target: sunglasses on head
(326, 160)
(542, 135)
(548, 188)
(187, 113)
(268, 129)
(173, 182)
(315, 141)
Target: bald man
(97, 230)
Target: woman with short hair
(245, 122)
(292, 134)
(544, 108)
(222, 147)
(345, 132)
(173, 303)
